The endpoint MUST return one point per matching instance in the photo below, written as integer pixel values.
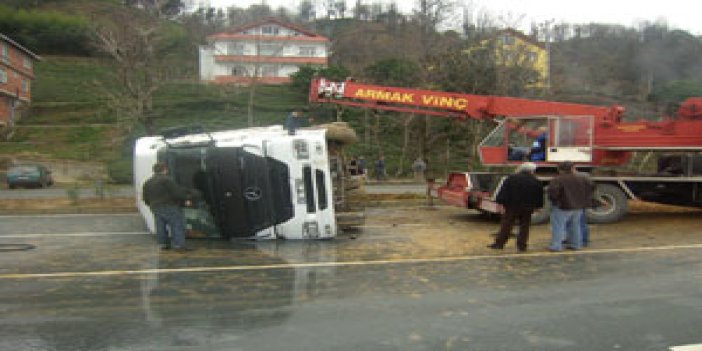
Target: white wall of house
(270, 48)
(256, 48)
(206, 63)
(209, 68)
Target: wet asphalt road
(99, 283)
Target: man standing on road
(164, 197)
(419, 167)
(380, 168)
(520, 194)
(362, 166)
(570, 194)
(584, 228)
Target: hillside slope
(70, 120)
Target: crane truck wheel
(614, 208)
(542, 215)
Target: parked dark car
(29, 175)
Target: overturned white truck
(259, 183)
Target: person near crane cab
(538, 148)
(520, 194)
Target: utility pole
(546, 28)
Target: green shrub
(120, 171)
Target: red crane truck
(596, 138)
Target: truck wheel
(616, 205)
(542, 215)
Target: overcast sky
(683, 14)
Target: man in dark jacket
(165, 197)
(520, 194)
(569, 194)
(292, 121)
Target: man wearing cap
(520, 194)
(569, 194)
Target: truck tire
(542, 215)
(616, 208)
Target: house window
(235, 49)
(25, 86)
(3, 76)
(531, 57)
(507, 39)
(27, 63)
(269, 49)
(308, 51)
(270, 30)
(240, 71)
(5, 53)
(269, 71)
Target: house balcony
(272, 59)
(248, 80)
(267, 38)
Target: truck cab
(257, 183)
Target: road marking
(71, 215)
(205, 269)
(41, 235)
(697, 347)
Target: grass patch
(68, 79)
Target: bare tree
(159, 8)
(139, 66)
(306, 11)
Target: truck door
(279, 175)
(570, 139)
(243, 195)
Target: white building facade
(269, 50)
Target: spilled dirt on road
(449, 231)
(416, 230)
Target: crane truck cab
(258, 183)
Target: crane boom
(587, 134)
(598, 131)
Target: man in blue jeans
(569, 194)
(584, 227)
(165, 197)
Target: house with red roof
(16, 74)
(269, 50)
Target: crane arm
(438, 103)
(612, 138)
